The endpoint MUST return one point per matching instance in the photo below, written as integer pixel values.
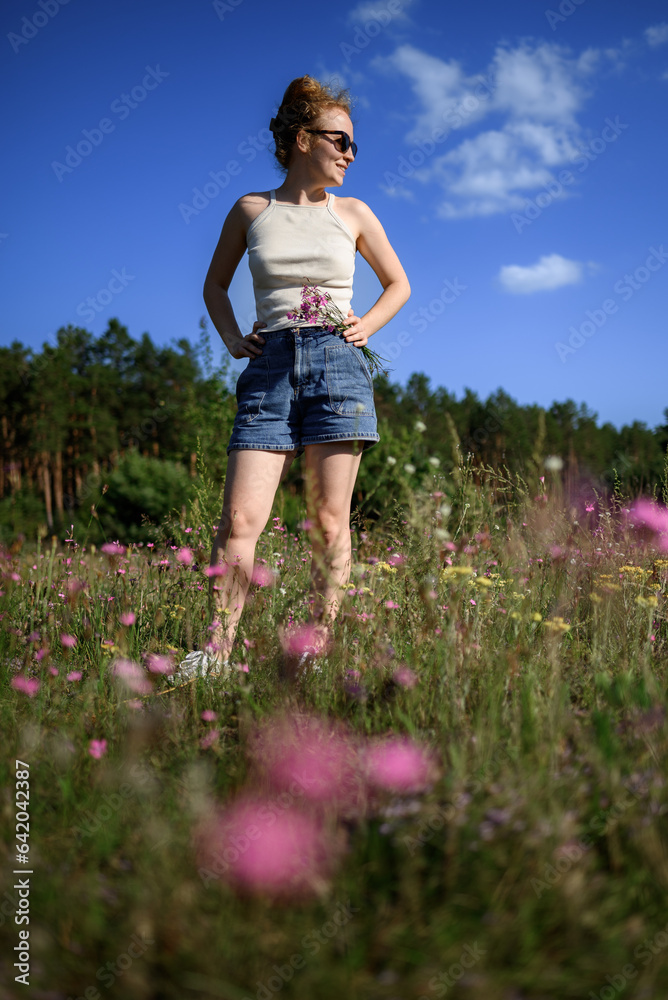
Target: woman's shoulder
(355, 213)
(250, 205)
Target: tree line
(86, 413)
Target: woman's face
(326, 155)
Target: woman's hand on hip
(250, 345)
(355, 333)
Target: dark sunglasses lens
(345, 144)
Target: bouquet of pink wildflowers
(318, 309)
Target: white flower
(410, 469)
(434, 461)
(445, 510)
(420, 427)
(553, 463)
(391, 460)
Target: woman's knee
(332, 527)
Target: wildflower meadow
(465, 797)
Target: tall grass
(515, 632)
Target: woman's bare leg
(250, 486)
(331, 471)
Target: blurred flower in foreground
(184, 556)
(29, 685)
(399, 765)
(264, 848)
(404, 677)
(263, 576)
(132, 676)
(310, 758)
(651, 515)
(302, 639)
(69, 641)
(97, 748)
(553, 463)
(129, 618)
(160, 664)
(113, 549)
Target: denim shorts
(307, 387)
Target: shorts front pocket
(252, 387)
(349, 383)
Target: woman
(304, 389)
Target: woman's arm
(229, 251)
(373, 244)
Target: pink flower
(309, 758)
(209, 739)
(132, 676)
(68, 640)
(589, 507)
(262, 575)
(404, 677)
(219, 570)
(208, 715)
(53, 671)
(184, 556)
(129, 618)
(650, 515)
(159, 664)
(302, 639)
(74, 675)
(264, 847)
(399, 765)
(391, 605)
(29, 685)
(113, 549)
(97, 748)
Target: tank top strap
(272, 197)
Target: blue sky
(515, 154)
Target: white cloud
(369, 10)
(547, 274)
(657, 35)
(440, 87)
(541, 84)
(536, 91)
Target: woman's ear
(302, 141)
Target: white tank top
(288, 244)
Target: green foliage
(140, 492)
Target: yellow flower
(557, 625)
(515, 614)
(536, 617)
(647, 602)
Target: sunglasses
(343, 142)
